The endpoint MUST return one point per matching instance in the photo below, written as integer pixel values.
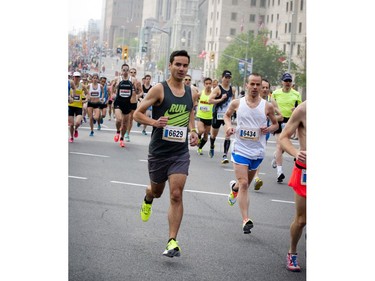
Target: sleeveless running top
(124, 91)
(105, 93)
(145, 90)
(171, 139)
(204, 109)
(94, 93)
(249, 142)
(221, 107)
(77, 98)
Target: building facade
(204, 27)
(121, 22)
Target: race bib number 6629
(174, 133)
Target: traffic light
(212, 55)
(125, 52)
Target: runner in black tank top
(169, 158)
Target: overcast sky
(81, 11)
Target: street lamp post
(123, 37)
(167, 51)
(246, 55)
(291, 46)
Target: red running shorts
(298, 179)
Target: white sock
(279, 170)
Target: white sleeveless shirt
(249, 142)
(95, 93)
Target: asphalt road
(109, 241)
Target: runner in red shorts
(298, 178)
(297, 181)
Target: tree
(266, 58)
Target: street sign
(241, 67)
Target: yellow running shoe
(146, 211)
(258, 183)
(172, 249)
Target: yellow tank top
(80, 94)
(204, 109)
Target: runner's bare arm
(289, 129)
(154, 97)
(233, 106)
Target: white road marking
(89, 154)
(205, 192)
(282, 201)
(129, 183)
(81, 178)
(194, 191)
(187, 190)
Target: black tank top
(225, 102)
(125, 91)
(146, 90)
(178, 110)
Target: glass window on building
(252, 18)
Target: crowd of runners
(180, 113)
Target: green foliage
(265, 58)
(161, 63)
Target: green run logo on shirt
(178, 116)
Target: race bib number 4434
(174, 133)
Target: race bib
(249, 134)
(204, 108)
(303, 177)
(76, 98)
(220, 116)
(125, 93)
(174, 133)
(94, 94)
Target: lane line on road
(129, 183)
(89, 154)
(187, 190)
(205, 192)
(80, 178)
(282, 201)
